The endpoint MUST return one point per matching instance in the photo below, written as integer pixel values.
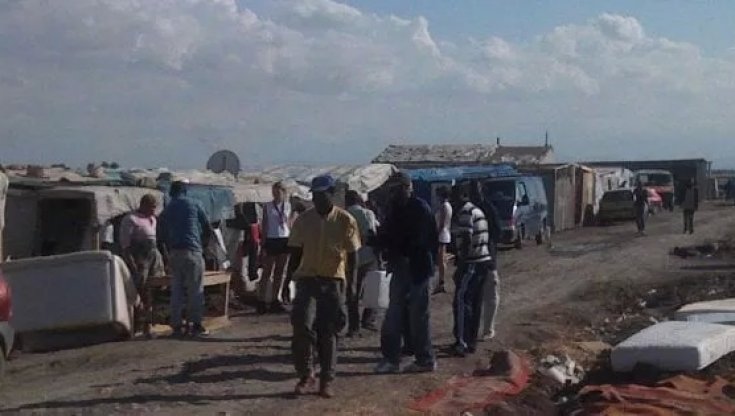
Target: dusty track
(246, 369)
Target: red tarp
(507, 376)
(680, 395)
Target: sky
(168, 82)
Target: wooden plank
(210, 279)
(214, 323)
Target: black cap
(401, 178)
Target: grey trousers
(491, 300)
(317, 317)
(188, 274)
(354, 290)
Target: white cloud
(84, 78)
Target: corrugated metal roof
(463, 153)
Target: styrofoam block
(70, 291)
(675, 346)
(717, 311)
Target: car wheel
(541, 234)
(2, 362)
(518, 244)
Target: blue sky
(322, 81)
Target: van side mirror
(525, 201)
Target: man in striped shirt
(474, 259)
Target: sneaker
(488, 336)
(438, 290)
(277, 307)
(304, 385)
(459, 350)
(353, 333)
(325, 390)
(261, 308)
(386, 367)
(370, 326)
(416, 368)
(199, 331)
(178, 332)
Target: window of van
(521, 191)
(501, 190)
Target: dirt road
(548, 292)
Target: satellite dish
(224, 161)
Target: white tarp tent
(244, 189)
(362, 178)
(261, 192)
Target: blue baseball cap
(322, 183)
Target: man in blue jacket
(185, 227)
(409, 238)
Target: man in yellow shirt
(324, 240)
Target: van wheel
(540, 237)
(2, 362)
(518, 244)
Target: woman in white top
(277, 221)
(443, 223)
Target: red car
(655, 202)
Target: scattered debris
(562, 370)
(594, 347)
(675, 395)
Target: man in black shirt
(409, 238)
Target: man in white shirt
(474, 261)
(443, 223)
(366, 262)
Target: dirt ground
(591, 284)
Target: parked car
(6, 331)
(617, 205)
(661, 181)
(522, 206)
(655, 202)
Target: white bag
(376, 294)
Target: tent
(217, 201)
(361, 178)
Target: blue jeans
(187, 268)
(468, 302)
(407, 297)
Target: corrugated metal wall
(565, 198)
(21, 214)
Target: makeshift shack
(587, 200)
(65, 219)
(561, 190)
